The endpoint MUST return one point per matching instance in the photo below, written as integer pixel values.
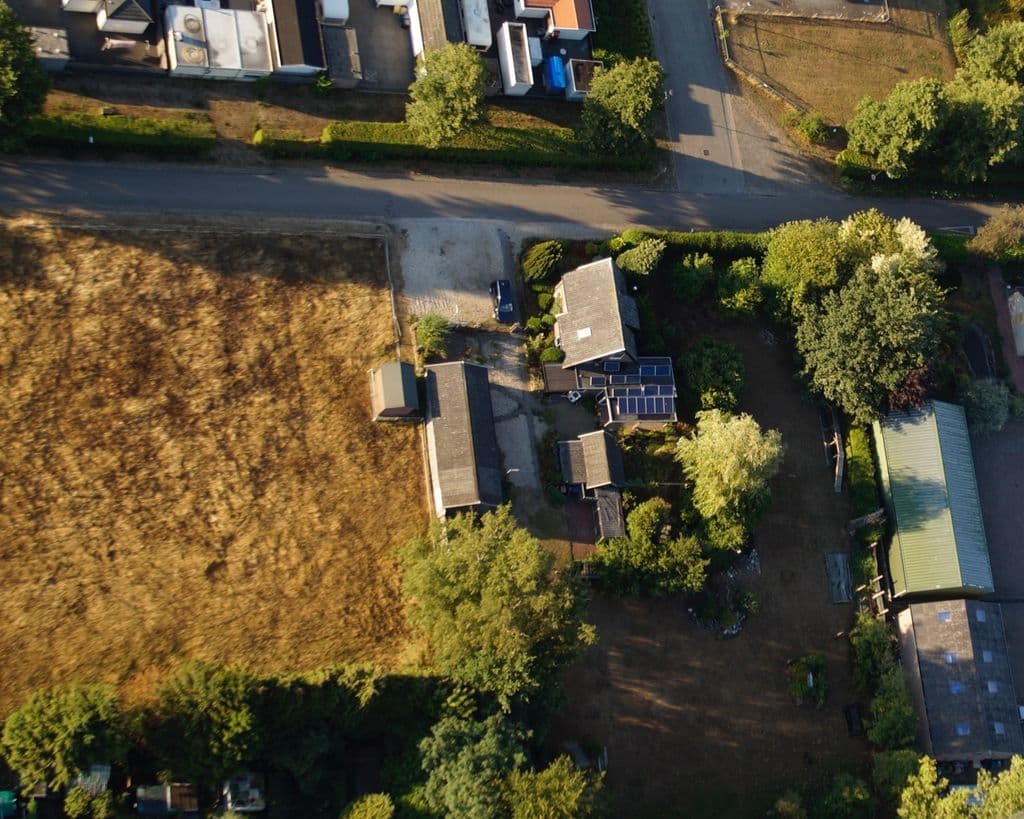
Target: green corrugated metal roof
(928, 477)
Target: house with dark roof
(954, 654)
(124, 16)
(592, 466)
(565, 19)
(393, 392)
(596, 329)
(166, 800)
(597, 319)
(939, 548)
(462, 447)
(296, 37)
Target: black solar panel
(632, 379)
(651, 389)
(634, 391)
(662, 369)
(611, 366)
(597, 381)
(647, 369)
(618, 379)
(666, 389)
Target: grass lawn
(701, 726)
(830, 66)
(189, 468)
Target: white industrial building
(217, 43)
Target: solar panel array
(598, 381)
(644, 405)
(625, 379)
(656, 369)
(647, 390)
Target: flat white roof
(222, 39)
(477, 21)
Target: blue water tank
(554, 73)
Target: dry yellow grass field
(187, 462)
(829, 67)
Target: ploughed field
(187, 462)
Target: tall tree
(495, 614)
(447, 95)
(900, 132)
(985, 127)
(863, 341)
(923, 798)
(467, 761)
(560, 791)
(23, 84)
(653, 559)
(207, 721)
(803, 259)
(730, 462)
(60, 731)
(618, 112)
(1002, 234)
(998, 54)
(1001, 795)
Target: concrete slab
(385, 49)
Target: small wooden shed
(393, 393)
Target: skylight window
(980, 616)
(999, 728)
(944, 616)
(956, 687)
(986, 656)
(950, 658)
(582, 333)
(963, 729)
(993, 687)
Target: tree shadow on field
(20, 259)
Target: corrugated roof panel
(964, 502)
(923, 467)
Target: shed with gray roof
(927, 470)
(598, 318)
(593, 462)
(393, 391)
(465, 463)
(954, 653)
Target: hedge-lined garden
(112, 136)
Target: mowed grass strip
(188, 465)
(830, 66)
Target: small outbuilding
(593, 465)
(51, 47)
(393, 392)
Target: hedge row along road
(328, 193)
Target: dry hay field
(188, 467)
(829, 67)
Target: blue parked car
(501, 296)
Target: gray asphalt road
(699, 105)
(321, 193)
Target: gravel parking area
(821, 9)
(447, 266)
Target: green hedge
(725, 246)
(860, 471)
(185, 138)
(371, 141)
(623, 30)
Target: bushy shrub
(541, 262)
(739, 288)
(545, 300)
(810, 127)
(960, 32)
(534, 326)
(807, 679)
(552, 355)
(547, 321)
(631, 237)
(691, 275)
(643, 259)
(987, 404)
(893, 723)
(432, 335)
(714, 373)
(872, 650)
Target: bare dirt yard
(829, 67)
(700, 726)
(188, 465)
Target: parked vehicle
(501, 296)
